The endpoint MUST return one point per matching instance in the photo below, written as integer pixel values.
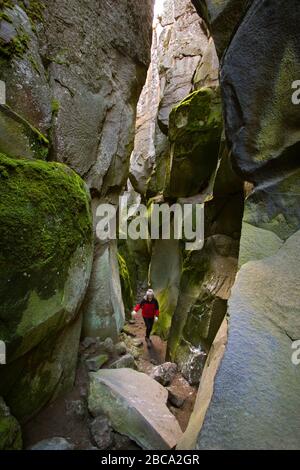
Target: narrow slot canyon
(148, 163)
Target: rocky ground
(68, 417)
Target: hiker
(150, 313)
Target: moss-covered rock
(127, 291)
(45, 263)
(21, 68)
(165, 273)
(205, 286)
(18, 138)
(195, 132)
(10, 430)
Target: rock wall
(257, 386)
(180, 155)
(179, 43)
(73, 73)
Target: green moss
(162, 327)
(35, 10)
(10, 431)
(16, 47)
(195, 266)
(10, 434)
(44, 218)
(195, 130)
(4, 16)
(55, 105)
(127, 292)
(273, 136)
(34, 64)
(19, 44)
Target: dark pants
(149, 324)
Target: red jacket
(150, 308)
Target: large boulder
(195, 131)
(45, 264)
(10, 430)
(189, 438)
(222, 18)
(262, 125)
(136, 407)
(204, 289)
(257, 386)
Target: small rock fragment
(101, 433)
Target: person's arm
(137, 308)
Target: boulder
(109, 346)
(45, 265)
(164, 373)
(222, 18)
(123, 443)
(76, 408)
(10, 430)
(121, 348)
(136, 407)
(94, 363)
(101, 433)
(54, 443)
(195, 130)
(205, 390)
(257, 386)
(261, 126)
(125, 361)
(254, 400)
(204, 289)
(174, 399)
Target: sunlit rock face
(179, 43)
